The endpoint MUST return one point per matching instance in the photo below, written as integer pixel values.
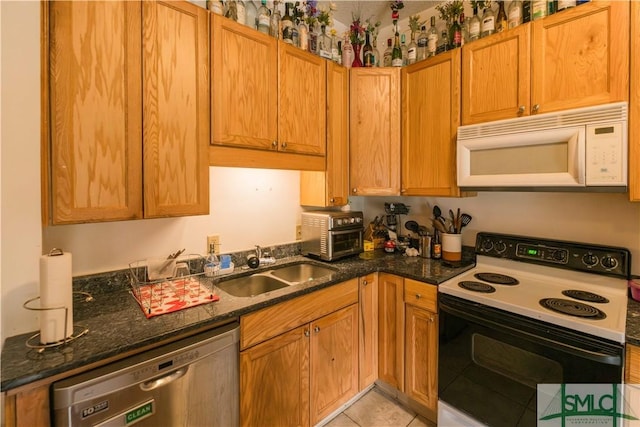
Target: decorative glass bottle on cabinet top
(263, 18)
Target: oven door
(343, 243)
(491, 361)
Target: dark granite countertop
(632, 334)
(117, 325)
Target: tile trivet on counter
(172, 295)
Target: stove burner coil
(572, 308)
(497, 279)
(585, 296)
(471, 285)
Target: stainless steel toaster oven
(331, 235)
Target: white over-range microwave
(583, 149)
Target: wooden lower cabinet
(421, 376)
(28, 408)
(334, 361)
(274, 381)
(299, 359)
(368, 344)
(391, 330)
(632, 365)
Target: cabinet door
(634, 107)
(176, 109)
(374, 131)
(244, 93)
(302, 105)
(334, 361)
(430, 119)
(496, 76)
(632, 375)
(274, 381)
(581, 57)
(331, 187)
(422, 356)
(95, 111)
(368, 347)
(391, 330)
(29, 408)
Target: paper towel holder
(78, 330)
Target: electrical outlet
(215, 240)
(298, 232)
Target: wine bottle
(286, 23)
(501, 19)
(396, 53)
(514, 16)
(422, 44)
(412, 50)
(404, 49)
(386, 62)
(263, 17)
(274, 22)
(367, 52)
(457, 33)
(432, 38)
(488, 23)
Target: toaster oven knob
(501, 247)
(590, 260)
(609, 262)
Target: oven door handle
(609, 359)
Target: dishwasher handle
(164, 380)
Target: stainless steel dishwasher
(190, 383)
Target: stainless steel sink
(276, 278)
(301, 272)
(249, 286)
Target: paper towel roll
(55, 291)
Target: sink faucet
(264, 257)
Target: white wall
(20, 174)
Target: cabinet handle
(418, 296)
(535, 109)
(316, 329)
(521, 110)
(283, 145)
(306, 333)
(403, 190)
(431, 319)
(274, 144)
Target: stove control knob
(559, 256)
(501, 247)
(590, 259)
(609, 262)
(487, 245)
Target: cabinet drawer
(633, 364)
(272, 321)
(420, 294)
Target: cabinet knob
(403, 190)
(274, 144)
(521, 110)
(332, 200)
(316, 329)
(306, 333)
(365, 283)
(354, 191)
(535, 108)
(418, 296)
(283, 145)
(431, 319)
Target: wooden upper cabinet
(634, 107)
(374, 134)
(496, 76)
(176, 109)
(580, 57)
(302, 106)
(574, 58)
(244, 94)
(331, 187)
(111, 64)
(95, 110)
(430, 118)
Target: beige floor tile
(376, 410)
(421, 422)
(341, 421)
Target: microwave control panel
(606, 161)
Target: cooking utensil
(439, 226)
(423, 231)
(465, 219)
(411, 226)
(437, 213)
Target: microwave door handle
(577, 155)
